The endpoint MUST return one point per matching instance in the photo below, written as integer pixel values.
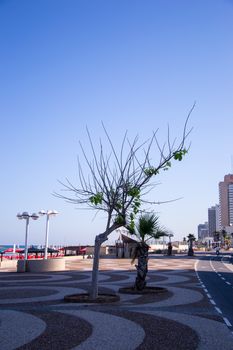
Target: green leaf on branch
(97, 198)
(120, 220)
(136, 205)
(134, 192)
(178, 155)
(131, 226)
(118, 205)
(135, 210)
(167, 166)
(151, 171)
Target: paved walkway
(34, 316)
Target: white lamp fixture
(170, 235)
(48, 213)
(26, 217)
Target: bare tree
(117, 182)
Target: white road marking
(218, 310)
(228, 323)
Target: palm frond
(149, 227)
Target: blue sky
(135, 65)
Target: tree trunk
(99, 239)
(190, 250)
(142, 267)
(169, 249)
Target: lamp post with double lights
(26, 217)
(170, 235)
(48, 213)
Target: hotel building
(226, 201)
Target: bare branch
(118, 183)
(163, 202)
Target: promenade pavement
(33, 314)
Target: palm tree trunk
(190, 250)
(142, 267)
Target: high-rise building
(212, 221)
(217, 210)
(203, 231)
(226, 201)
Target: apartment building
(212, 221)
(226, 201)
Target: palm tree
(227, 242)
(216, 236)
(147, 227)
(223, 235)
(191, 239)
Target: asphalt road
(217, 281)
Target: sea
(17, 246)
(7, 246)
(13, 253)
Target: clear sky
(133, 64)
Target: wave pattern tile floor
(34, 315)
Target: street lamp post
(26, 217)
(170, 235)
(163, 245)
(48, 213)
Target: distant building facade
(212, 221)
(217, 210)
(202, 231)
(226, 201)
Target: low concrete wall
(8, 263)
(36, 265)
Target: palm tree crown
(191, 237)
(148, 227)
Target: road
(217, 281)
